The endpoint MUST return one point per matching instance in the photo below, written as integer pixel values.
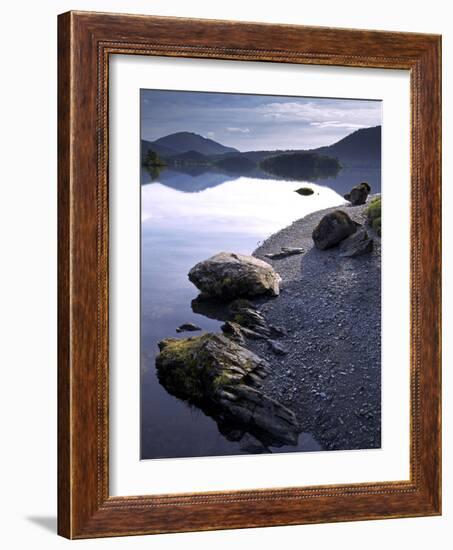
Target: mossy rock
(196, 368)
(178, 366)
(224, 379)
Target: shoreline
(330, 310)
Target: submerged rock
(356, 245)
(305, 191)
(332, 229)
(358, 194)
(226, 276)
(223, 378)
(188, 327)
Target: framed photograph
(249, 275)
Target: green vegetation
(154, 171)
(194, 368)
(154, 164)
(301, 166)
(374, 214)
(221, 380)
(153, 159)
(179, 367)
(240, 319)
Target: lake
(186, 218)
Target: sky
(255, 122)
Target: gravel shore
(330, 311)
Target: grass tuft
(374, 214)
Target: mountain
(183, 142)
(358, 153)
(361, 148)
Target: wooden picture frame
(85, 42)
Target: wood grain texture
(64, 369)
(86, 40)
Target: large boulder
(358, 194)
(332, 229)
(224, 379)
(200, 367)
(226, 276)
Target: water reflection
(192, 179)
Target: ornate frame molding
(86, 40)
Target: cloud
(337, 124)
(252, 122)
(236, 129)
(329, 114)
(293, 110)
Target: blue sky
(253, 122)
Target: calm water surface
(187, 218)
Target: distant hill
(183, 142)
(361, 148)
